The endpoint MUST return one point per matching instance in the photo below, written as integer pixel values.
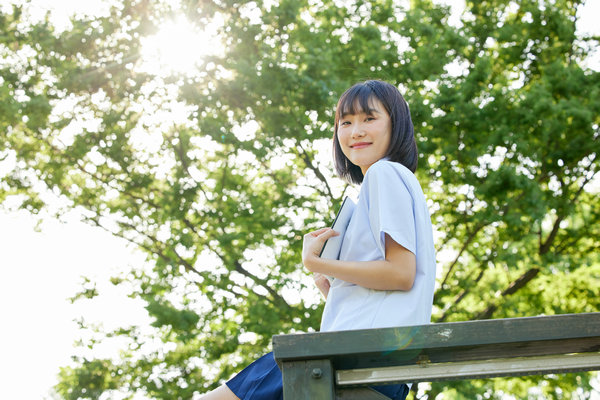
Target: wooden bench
(341, 365)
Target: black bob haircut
(403, 147)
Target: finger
(319, 231)
(328, 234)
(320, 279)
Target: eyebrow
(368, 112)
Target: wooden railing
(341, 365)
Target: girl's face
(365, 137)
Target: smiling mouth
(360, 145)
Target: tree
(507, 124)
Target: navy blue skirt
(262, 380)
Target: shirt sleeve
(390, 206)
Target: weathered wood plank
(457, 341)
(471, 369)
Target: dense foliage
(215, 173)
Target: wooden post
(308, 380)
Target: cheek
(343, 142)
(342, 138)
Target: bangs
(357, 99)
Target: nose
(357, 130)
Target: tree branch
(158, 243)
(545, 246)
(519, 283)
(180, 152)
(463, 248)
(308, 162)
(261, 282)
(462, 295)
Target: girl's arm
(396, 272)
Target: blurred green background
(199, 132)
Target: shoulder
(385, 170)
(392, 179)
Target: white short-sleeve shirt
(390, 201)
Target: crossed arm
(396, 272)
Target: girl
(385, 274)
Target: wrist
(313, 263)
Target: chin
(362, 163)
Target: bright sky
(39, 271)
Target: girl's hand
(322, 283)
(312, 245)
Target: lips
(360, 145)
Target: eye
(370, 118)
(345, 123)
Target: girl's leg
(220, 393)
